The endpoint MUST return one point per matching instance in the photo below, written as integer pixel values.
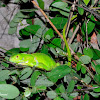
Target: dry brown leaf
(94, 38)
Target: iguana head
(17, 58)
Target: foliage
(19, 82)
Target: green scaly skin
(39, 60)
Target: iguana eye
(16, 56)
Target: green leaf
(35, 44)
(39, 22)
(34, 89)
(41, 4)
(25, 1)
(93, 64)
(41, 88)
(96, 95)
(26, 81)
(78, 67)
(31, 29)
(38, 36)
(80, 11)
(56, 42)
(16, 19)
(97, 67)
(62, 88)
(12, 51)
(24, 49)
(60, 52)
(70, 87)
(90, 26)
(96, 89)
(79, 54)
(16, 1)
(2, 82)
(4, 74)
(85, 59)
(34, 77)
(96, 54)
(54, 51)
(73, 95)
(86, 97)
(25, 73)
(58, 98)
(49, 34)
(19, 15)
(8, 91)
(44, 49)
(13, 24)
(74, 46)
(61, 7)
(24, 98)
(59, 24)
(86, 1)
(27, 92)
(12, 30)
(65, 96)
(82, 96)
(97, 62)
(83, 70)
(43, 81)
(88, 52)
(64, 12)
(25, 43)
(97, 78)
(5, 64)
(79, 87)
(14, 78)
(67, 78)
(51, 94)
(87, 79)
(23, 32)
(58, 72)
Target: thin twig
(86, 34)
(70, 41)
(69, 21)
(85, 89)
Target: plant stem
(67, 46)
